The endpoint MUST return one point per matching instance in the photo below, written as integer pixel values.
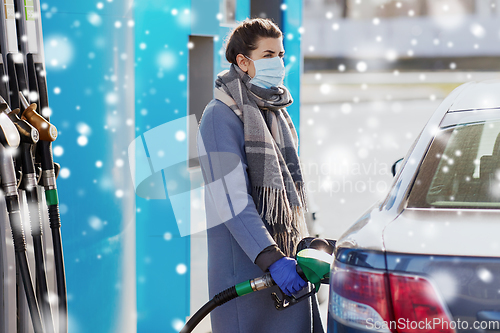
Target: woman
(256, 214)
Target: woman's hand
(284, 273)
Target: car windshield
(461, 169)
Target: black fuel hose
(41, 275)
(49, 179)
(29, 136)
(12, 202)
(49, 182)
(9, 187)
(225, 296)
(13, 82)
(219, 299)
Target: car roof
(480, 95)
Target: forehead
(273, 44)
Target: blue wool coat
(234, 245)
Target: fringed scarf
(271, 145)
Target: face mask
(269, 72)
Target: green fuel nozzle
(315, 261)
(314, 258)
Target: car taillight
(360, 298)
(416, 302)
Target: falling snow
(95, 223)
(356, 118)
(64, 173)
(94, 19)
(181, 269)
(82, 140)
(58, 151)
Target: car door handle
(490, 316)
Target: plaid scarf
(271, 145)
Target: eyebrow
(270, 51)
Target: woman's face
(266, 48)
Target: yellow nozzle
(48, 132)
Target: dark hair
(246, 35)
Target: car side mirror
(396, 166)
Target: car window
(461, 169)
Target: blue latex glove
(285, 275)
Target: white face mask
(269, 72)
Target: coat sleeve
(221, 149)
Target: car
(426, 257)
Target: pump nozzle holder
(27, 132)
(47, 131)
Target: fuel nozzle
(47, 131)
(9, 136)
(27, 132)
(314, 257)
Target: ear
(242, 62)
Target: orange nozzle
(48, 132)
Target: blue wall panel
(161, 37)
(85, 78)
(242, 10)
